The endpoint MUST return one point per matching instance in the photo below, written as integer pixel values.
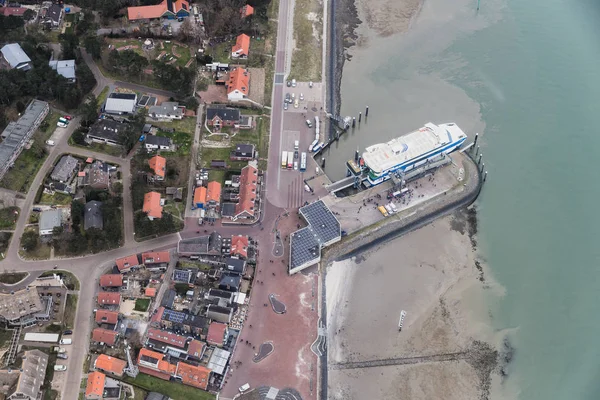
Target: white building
(120, 103)
(65, 68)
(49, 220)
(167, 111)
(16, 57)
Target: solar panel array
(306, 243)
(174, 316)
(182, 276)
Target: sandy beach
(432, 275)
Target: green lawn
(70, 311)
(5, 337)
(176, 391)
(222, 52)
(142, 304)
(103, 95)
(184, 53)
(41, 252)
(207, 154)
(10, 278)
(175, 208)
(183, 140)
(56, 198)
(26, 166)
(187, 124)
(4, 243)
(8, 217)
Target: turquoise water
(526, 74)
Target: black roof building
(230, 282)
(92, 215)
(235, 265)
(223, 113)
(107, 130)
(158, 140)
(203, 245)
(243, 152)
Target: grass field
(175, 208)
(8, 217)
(187, 125)
(70, 311)
(25, 168)
(10, 278)
(56, 198)
(176, 391)
(4, 243)
(142, 304)
(102, 96)
(308, 32)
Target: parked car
(288, 98)
(37, 209)
(310, 84)
(62, 356)
(68, 117)
(285, 105)
(293, 83)
(142, 138)
(296, 104)
(60, 367)
(50, 142)
(68, 332)
(289, 84)
(301, 96)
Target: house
(33, 372)
(200, 197)
(218, 361)
(217, 334)
(150, 292)
(167, 9)
(104, 336)
(23, 307)
(154, 258)
(125, 264)
(54, 15)
(158, 165)
(238, 84)
(13, 11)
(156, 364)
(111, 280)
(65, 68)
(106, 131)
(49, 220)
(219, 116)
(182, 322)
(243, 152)
(157, 143)
(14, 55)
(18, 133)
(247, 11)
(209, 245)
(235, 265)
(95, 386)
(196, 349)
(92, 215)
(65, 169)
(245, 207)
(120, 103)
(221, 297)
(107, 317)
(163, 341)
(97, 176)
(213, 194)
(230, 282)
(241, 48)
(152, 206)
(109, 299)
(195, 376)
(182, 276)
(110, 365)
(218, 313)
(239, 246)
(168, 110)
(174, 193)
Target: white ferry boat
(411, 150)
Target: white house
(49, 220)
(169, 110)
(65, 68)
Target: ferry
(412, 150)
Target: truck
(303, 162)
(290, 160)
(41, 337)
(284, 160)
(66, 341)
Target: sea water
(526, 75)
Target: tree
(93, 46)
(29, 240)
(68, 43)
(191, 103)
(89, 111)
(29, 14)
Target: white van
(296, 144)
(66, 341)
(50, 142)
(244, 387)
(61, 124)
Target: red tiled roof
(239, 246)
(216, 333)
(247, 11)
(104, 336)
(155, 363)
(196, 348)
(241, 46)
(158, 164)
(200, 195)
(150, 292)
(248, 179)
(152, 205)
(127, 262)
(193, 376)
(213, 192)
(239, 79)
(156, 257)
(109, 298)
(157, 10)
(95, 384)
(107, 317)
(158, 316)
(169, 338)
(111, 280)
(110, 364)
(14, 11)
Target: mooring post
(359, 117)
(476, 137)
(477, 152)
(353, 122)
(323, 163)
(480, 157)
(482, 167)
(485, 176)
(367, 112)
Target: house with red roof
(245, 207)
(167, 9)
(239, 246)
(156, 260)
(152, 206)
(107, 317)
(217, 334)
(104, 336)
(241, 48)
(111, 280)
(246, 11)
(125, 264)
(213, 194)
(169, 339)
(94, 389)
(150, 292)
(110, 365)
(109, 299)
(196, 349)
(196, 376)
(153, 363)
(238, 84)
(158, 165)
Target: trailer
(303, 162)
(284, 160)
(290, 160)
(41, 337)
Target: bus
(290, 160)
(303, 162)
(284, 160)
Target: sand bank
(432, 275)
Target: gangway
(352, 180)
